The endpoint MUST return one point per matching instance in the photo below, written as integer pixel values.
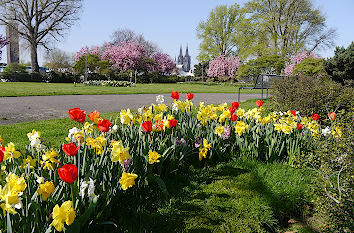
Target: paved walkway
(33, 108)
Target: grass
(55, 131)
(38, 89)
(237, 196)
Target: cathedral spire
(180, 51)
(187, 51)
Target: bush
(57, 77)
(15, 73)
(311, 95)
(310, 66)
(341, 66)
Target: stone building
(184, 61)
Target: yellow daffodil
(63, 214)
(46, 189)
(126, 116)
(119, 153)
(50, 156)
(203, 153)
(154, 157)
(11, 152)
(337, 132)
(97, 143)
(29, 162)
(88, 127)
(127, 180)
(8, 197)
(241, 127)
(219, 130)
(240, 112)
(2, 142)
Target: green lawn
(35, 89)
(55, 131)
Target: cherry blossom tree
(297, 60)
(127, 56)
(3, 43)
(163, 63)
(85, 50)
(223, 66)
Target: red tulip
(231, 110)
(173, 123)
(175, 95)
(70, 149)
(235, 105)
(315, 117)
(2, 151)
(190, 96)
(234, 117)
(68, 173)
(332, 115)
(147, 126)
(299, 126)
(77, 114)
(293, 112)
(103, 125)
(159, 125)
(94, 116)
(259, 103)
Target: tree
(341, 66)
(297, 59)
(57, 59)
(125, 35)
(94, 63)
(39, 21)
(273, 64)
(201, 68)
(283, 27)
(311, 67)
(125, 57)
(219, 32)
(163, 63)
(223, 66)
(3, 43)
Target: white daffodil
(160, 99)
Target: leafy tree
(297, 59)
(310, 67)
(283, 27)
(39, 21)
(341, 66)
(94, 65)
(201, 68)
(273, 64)
(163, 63)
(219, 32)
(223, 66)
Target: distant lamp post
(85, 79)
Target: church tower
(180, 57)
(186, 61)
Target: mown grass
(38, 89)
(237, 196)
(55, 131)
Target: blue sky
(173, 23)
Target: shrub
(311, 95)
(310, 66)
(57, 77)
(341, 66)
(107, 83)
(15, 73)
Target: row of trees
(263, 28)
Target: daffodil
(127, 180)
(2, 142)
(126, 116)
(219, 130)
(241, 127)
(206, 144)
(63, 214)
(97, 143)
(154, 157)
(46, 189)
(119, 152)
(203, 153)
(11, 152)
(88, 127)
(29, 161)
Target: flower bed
(111, 83)
(75, 186)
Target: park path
(33, 108)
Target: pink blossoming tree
(85, 50)
(163, 63)
(297, 60)
(127, 56)
(223, 66)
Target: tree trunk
(34, 58)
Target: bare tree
(57, 59)
(39, 21)
(124, 35)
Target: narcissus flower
(241, 127)
(190, 96)
(127, 180)
(147, 126)
(2, 142)
(68, 173)
(10, 152)
(219, 130)
(315, 117)
(119, 152)
(70, 149)
(126, 116)
(29, 162)
(175, 95)
(154, 157)
(103, 125)
(235, 105)
(63, 214)
(46, 190)
(77, 114)
(259, 103)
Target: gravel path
(33, 108)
